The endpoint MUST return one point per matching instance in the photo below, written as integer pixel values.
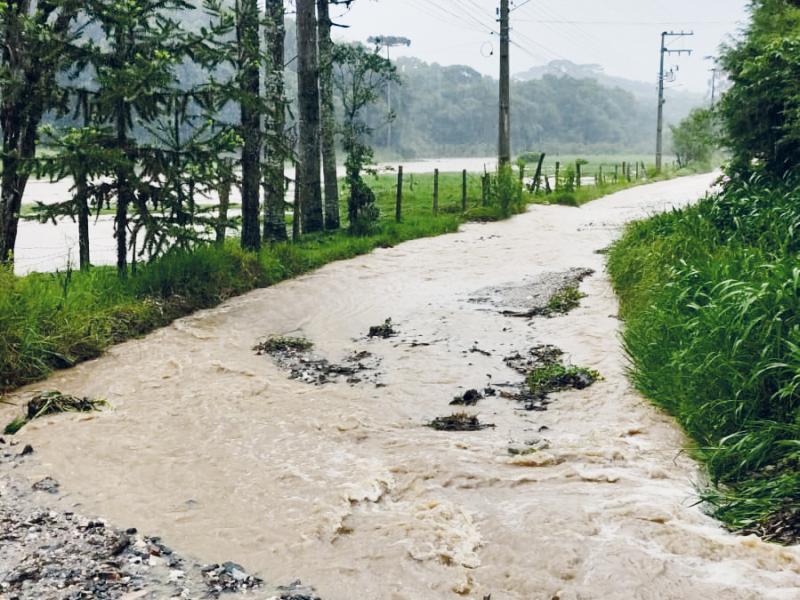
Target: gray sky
(621, 35)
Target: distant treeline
(451, 111)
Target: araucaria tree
(308, 169)
(359, 76)
(133, 67)
(35, 37)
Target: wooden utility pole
(504, 141)
(661, 78)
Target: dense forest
(449, 111)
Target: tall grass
(711, 300)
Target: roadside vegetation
(711, 294)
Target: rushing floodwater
(213, 448)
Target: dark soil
(458, 422)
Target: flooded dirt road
(215, 449)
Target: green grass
(555, 376)
(711, 300)
(50, 321)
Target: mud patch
(459, 422)
(294, 355)
(545, 296)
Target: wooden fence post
(522, 173)
(558, 168)
(435, 192)
(537, 180)
(464, 190)
(296, 208)
(637, 171)
(485, 189)
(616, 173)
(398, 212)
(577, 174)
(600, 175)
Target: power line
(632, 23)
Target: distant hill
(680, 102)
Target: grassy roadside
(710, 296)
(56, 320)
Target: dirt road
(218, 451)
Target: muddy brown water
(213, 448)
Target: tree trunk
(82, 200)
(328, 116)
(308, 175)
(224, 202)
(248, 39)
(275, 149)
(19, 118)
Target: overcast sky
(621, 35)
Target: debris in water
(781, 527)
(545, 373)
(556, 376)
(476, 350)
(459, 422)
(276, 344)
(386, 330)
(469, 398)
(293, 355)
(47, 403)
(297, 591)
(48, 484)
(547, 295)
(228, 577)
(536, 357)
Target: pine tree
(134, 74)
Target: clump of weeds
(52, 402)
(555, 376)
(565, 300)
